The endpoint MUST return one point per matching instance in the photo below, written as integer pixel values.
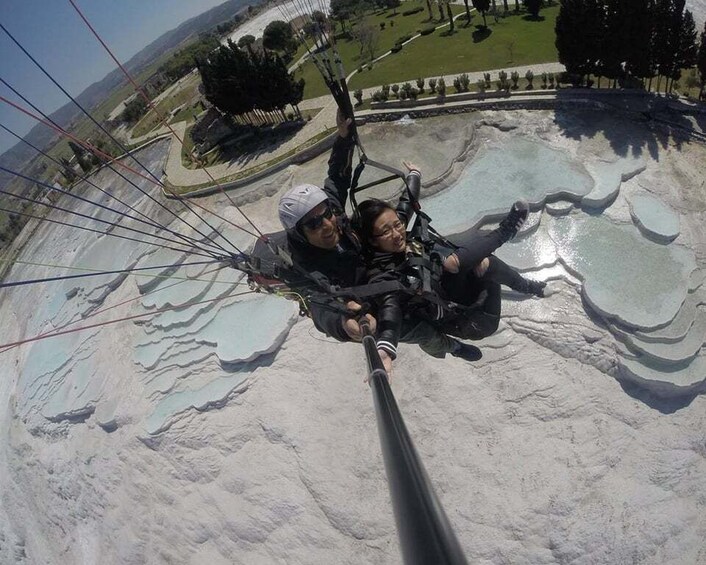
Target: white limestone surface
(561, 445)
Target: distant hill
(20, 154)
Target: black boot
(466, 351)
(536, 288)
(512, 223)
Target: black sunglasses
(317, 221)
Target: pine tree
(579, 28)
(701, 62)
(251, 88)
(686, 52)
(639, 55)
(482, 6)
(82, 157)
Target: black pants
(480, 320)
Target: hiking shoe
(466, 351)
(535, 287)
(512, 223)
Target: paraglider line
(162, 118)
(190, 241)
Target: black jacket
(344, 265)
(394, 308)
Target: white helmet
(297, 202)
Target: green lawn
(185, 94)
(513, 41)
(350, 50)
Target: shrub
(403, 95)
(441, 87)
(457, 84)
(360, 69)
(413, 93)
(396, 48)
(551, 80)
(379, 96)
(465, 82)
(406, 88)
(432, 85)
(382, 26)
(480, 85)
(420, 85)
(396, 90)
(413, 11)
(358, 95)
(503, 83)
(544, 80)
(515, 78)
(386, 90)
(529, 75)
(427, 30)
(404, 38)
(486, 76)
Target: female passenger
(470, 277)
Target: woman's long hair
(364, 221)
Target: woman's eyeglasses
(317, 221)
(387, 232)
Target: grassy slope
(513, 41)
(151, 120)
(350, 50)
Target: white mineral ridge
(654, 218)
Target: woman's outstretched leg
(500, 272)
(479, 322)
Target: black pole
(424, 531)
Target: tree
(701, 61)
(639, 42)
(249, 87)
(450, 15)
(394, 4)
(184, 60)
(246, 42)
(431, 15)
(468, 13)
(67, 170)
(674, 40)
(482, 6)
(611, 42)
(278, 36)
(578, 31)
(134, 110)
(82, 156)
(687, 49)
(344, 10)
(533, 7)
(367, 36)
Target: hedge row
(413, 11)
